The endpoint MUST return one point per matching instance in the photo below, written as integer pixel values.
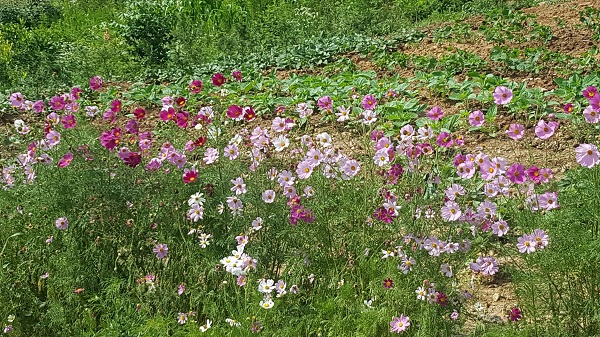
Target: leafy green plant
(590, 17)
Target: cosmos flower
(161, 250)
(399, 324)
(502, 95)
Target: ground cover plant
(439, 182)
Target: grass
(101, 276)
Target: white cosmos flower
(281, 142)
(267, 303)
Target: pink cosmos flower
(526, 244)
(167, 101)
(444, 139)
(351, 168)
(195, 86)
(96, 83)
(167, 114)
(369, 102)
(304, 170)
(239, 187)
(231, 151)
(476, 118)
(75, 92)
(132, 159)
(545, 130)
(68, 121)
(110, 139)
(325, 103)
(451, 211)
(399, 324)
(466, 170)
(65, 160)
(210, 155)
(180, 101)
(516, 173)
(39, 106)
(502, 95)
(268, 196)
(487, 266)
(190, 175)
(516, 131)
(548, 201)
(590, 92)
(16, 99)
(595, 103)
(500, 228)
(534, 174)
(488, 170)
(132, 127)
(218, 79)
(180, 289)
(369, 117)
(587, 155)
(62, 223)
(591, 116)
(161, 250)
(435, 114)
(57, 102)
(454, 191)
(52, 138)
(541, 238)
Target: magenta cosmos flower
(139, 113)
(435, 114)
(65, 160)
(218, 79)
(369, 102)
(568, 108)
(444, 139)
(388, 283)
(590, 92)
(502, 95)
(62, 223)
(68, 121)
(399, 324)
(235, 112)
(189, 176)
(57, 102)
(587, 155)
(116, 105)
(237, 75)
(325, 103)
(515, 314)
(196, 86)
(96, 83)
(516, 131)
(161, 250)
(476, 118)
(516, 173)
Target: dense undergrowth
(330, 201)
(48, 44)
